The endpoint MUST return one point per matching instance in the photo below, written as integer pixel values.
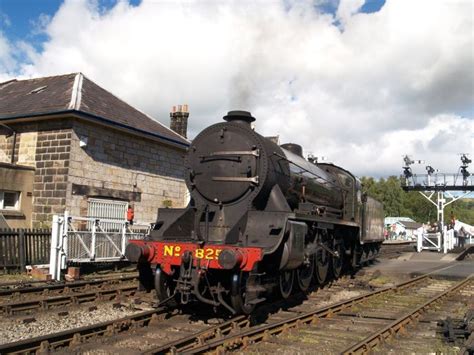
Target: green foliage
(398, 203)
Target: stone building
(68, 144)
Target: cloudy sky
(361, 82)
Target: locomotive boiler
(261, 219)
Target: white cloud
(388, 83)
(7, 61)
(347, 8)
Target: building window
(9, 200)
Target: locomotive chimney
(179, 119)
(244, 117)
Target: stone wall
(43, 145)
(26, 154)
(4, 153)
(52, 162)
(112, 164)
(6, 144)
(117, 165)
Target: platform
(414, 264)
(398, 241)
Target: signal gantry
(440, 184)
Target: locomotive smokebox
(239, 116)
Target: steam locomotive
(261, 219)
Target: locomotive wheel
(286, 283)
(321, 263)
(163, 285)
(337, 263)
(239, 294)
(304, 274)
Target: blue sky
(20, 19)
(368, 7)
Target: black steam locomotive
(261, 218)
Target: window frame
(17, 200)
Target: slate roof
(411, 225)
(76, 93)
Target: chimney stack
(179, 119)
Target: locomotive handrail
(224, 153)
(253, 179)
(255, 152)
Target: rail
(63, 287)
(14, 308)
(76, 336)
(37, 298)
(215, 338)
(220, 337)
(367, 344)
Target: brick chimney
(179, 119)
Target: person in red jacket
(130, 214)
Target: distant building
(402, 226)
(391, 220)
(68, 144)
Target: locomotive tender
(261, 218)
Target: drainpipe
(14, 141)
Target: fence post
(124, 236)
(94, 230)
(419, 241)
(53, 258)
(63, 234)
(21, 244)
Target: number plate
(204, 253)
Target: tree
(399, 203)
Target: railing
(86, 240)
(439, 181)
(21, 247)
(436, 241)
(107, 210)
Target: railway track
(400, 324)
(180, 335)
(161, 331)
(33, 299)
(18, 291)
(356, 329)
(280, 322)
(328, 323)
(159, 321)
(77, 336)
(73, 298)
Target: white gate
(436, 241)
(86, 240)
